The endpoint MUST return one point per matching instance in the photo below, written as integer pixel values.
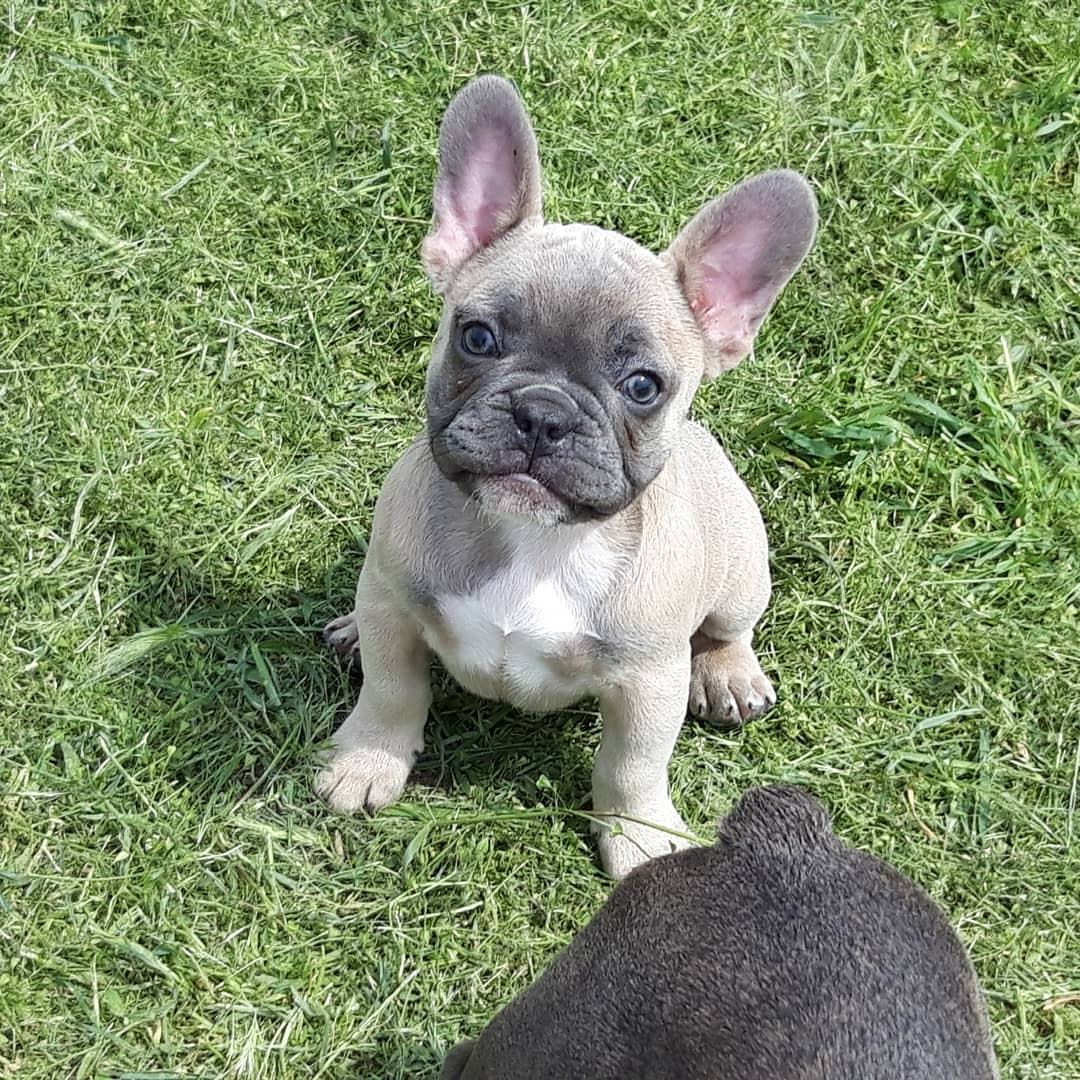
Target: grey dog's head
(568, 355)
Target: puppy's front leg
(374, 749)
(642, 717)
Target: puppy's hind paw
(341, 634)
(727, 685)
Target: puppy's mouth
(519, 495)
(525, 487)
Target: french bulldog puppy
(777, 954)
(561, 529)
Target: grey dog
(777, 954)
(561, 529)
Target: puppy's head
(568, 355)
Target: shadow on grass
(238, 692)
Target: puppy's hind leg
(342, 634)
(727, 685)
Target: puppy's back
(777, 953)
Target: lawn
(213, 328)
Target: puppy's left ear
(736, 254)
(457, 1059)
(489, 175)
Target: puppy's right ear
(458, 1058)
(737, 253)
(489, 176)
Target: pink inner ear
(732, 295)
(473, 202)
(489, 186)
(721, 309)
(731, 263)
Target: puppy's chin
(520, 498)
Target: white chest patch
(528, 635)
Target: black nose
(544, 416)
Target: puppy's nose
(544, 415)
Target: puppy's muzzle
(544, 416)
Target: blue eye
(478, 340)
(641, 388)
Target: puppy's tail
(777, 818)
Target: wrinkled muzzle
(542, 445)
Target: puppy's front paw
(727, 685)
(626, 844)
(363, 778)
(341, 634)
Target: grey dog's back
(777, 953)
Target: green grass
(213, 326)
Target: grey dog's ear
(736, 254)
(489, 175)
(457, 1059)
